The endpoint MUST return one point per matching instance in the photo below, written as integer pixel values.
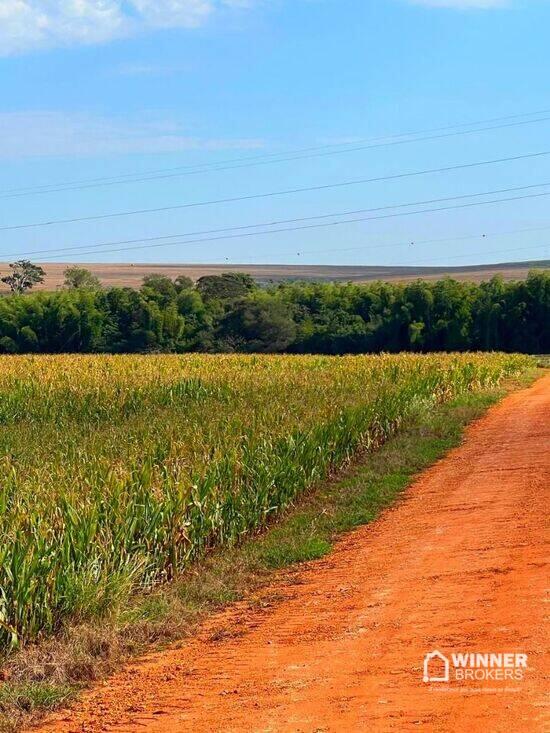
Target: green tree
(452, 315)
(228, 286)
(159, 288)
(199, 331)
(294, 317)
(8, 345)
(490, 309)
(257, 326)
(182, 282)
(24, 276)
(29, 339)
(79, 278)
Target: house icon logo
(436, 667)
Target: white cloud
(51, 133)
(173, 13)
(463, 4)
(27, 24)
(34, 24)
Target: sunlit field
(117, 471)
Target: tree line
(232, 313)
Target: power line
(271, 194)
(416, 263)
(278, 222)
(319, 151)
(413, 243)
(201, 167)
(322, 225)
(474, 254)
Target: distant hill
(127, 274)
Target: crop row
(117, 471)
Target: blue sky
(100, 88)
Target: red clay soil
(458, 565)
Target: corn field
(117, 471)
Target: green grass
(21, 702)
(46, 675)
(34, 696)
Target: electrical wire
(75, 248)
(252, 161)
(313, 226)
(271, 194)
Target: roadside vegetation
(231, 313)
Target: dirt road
(457, 566)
